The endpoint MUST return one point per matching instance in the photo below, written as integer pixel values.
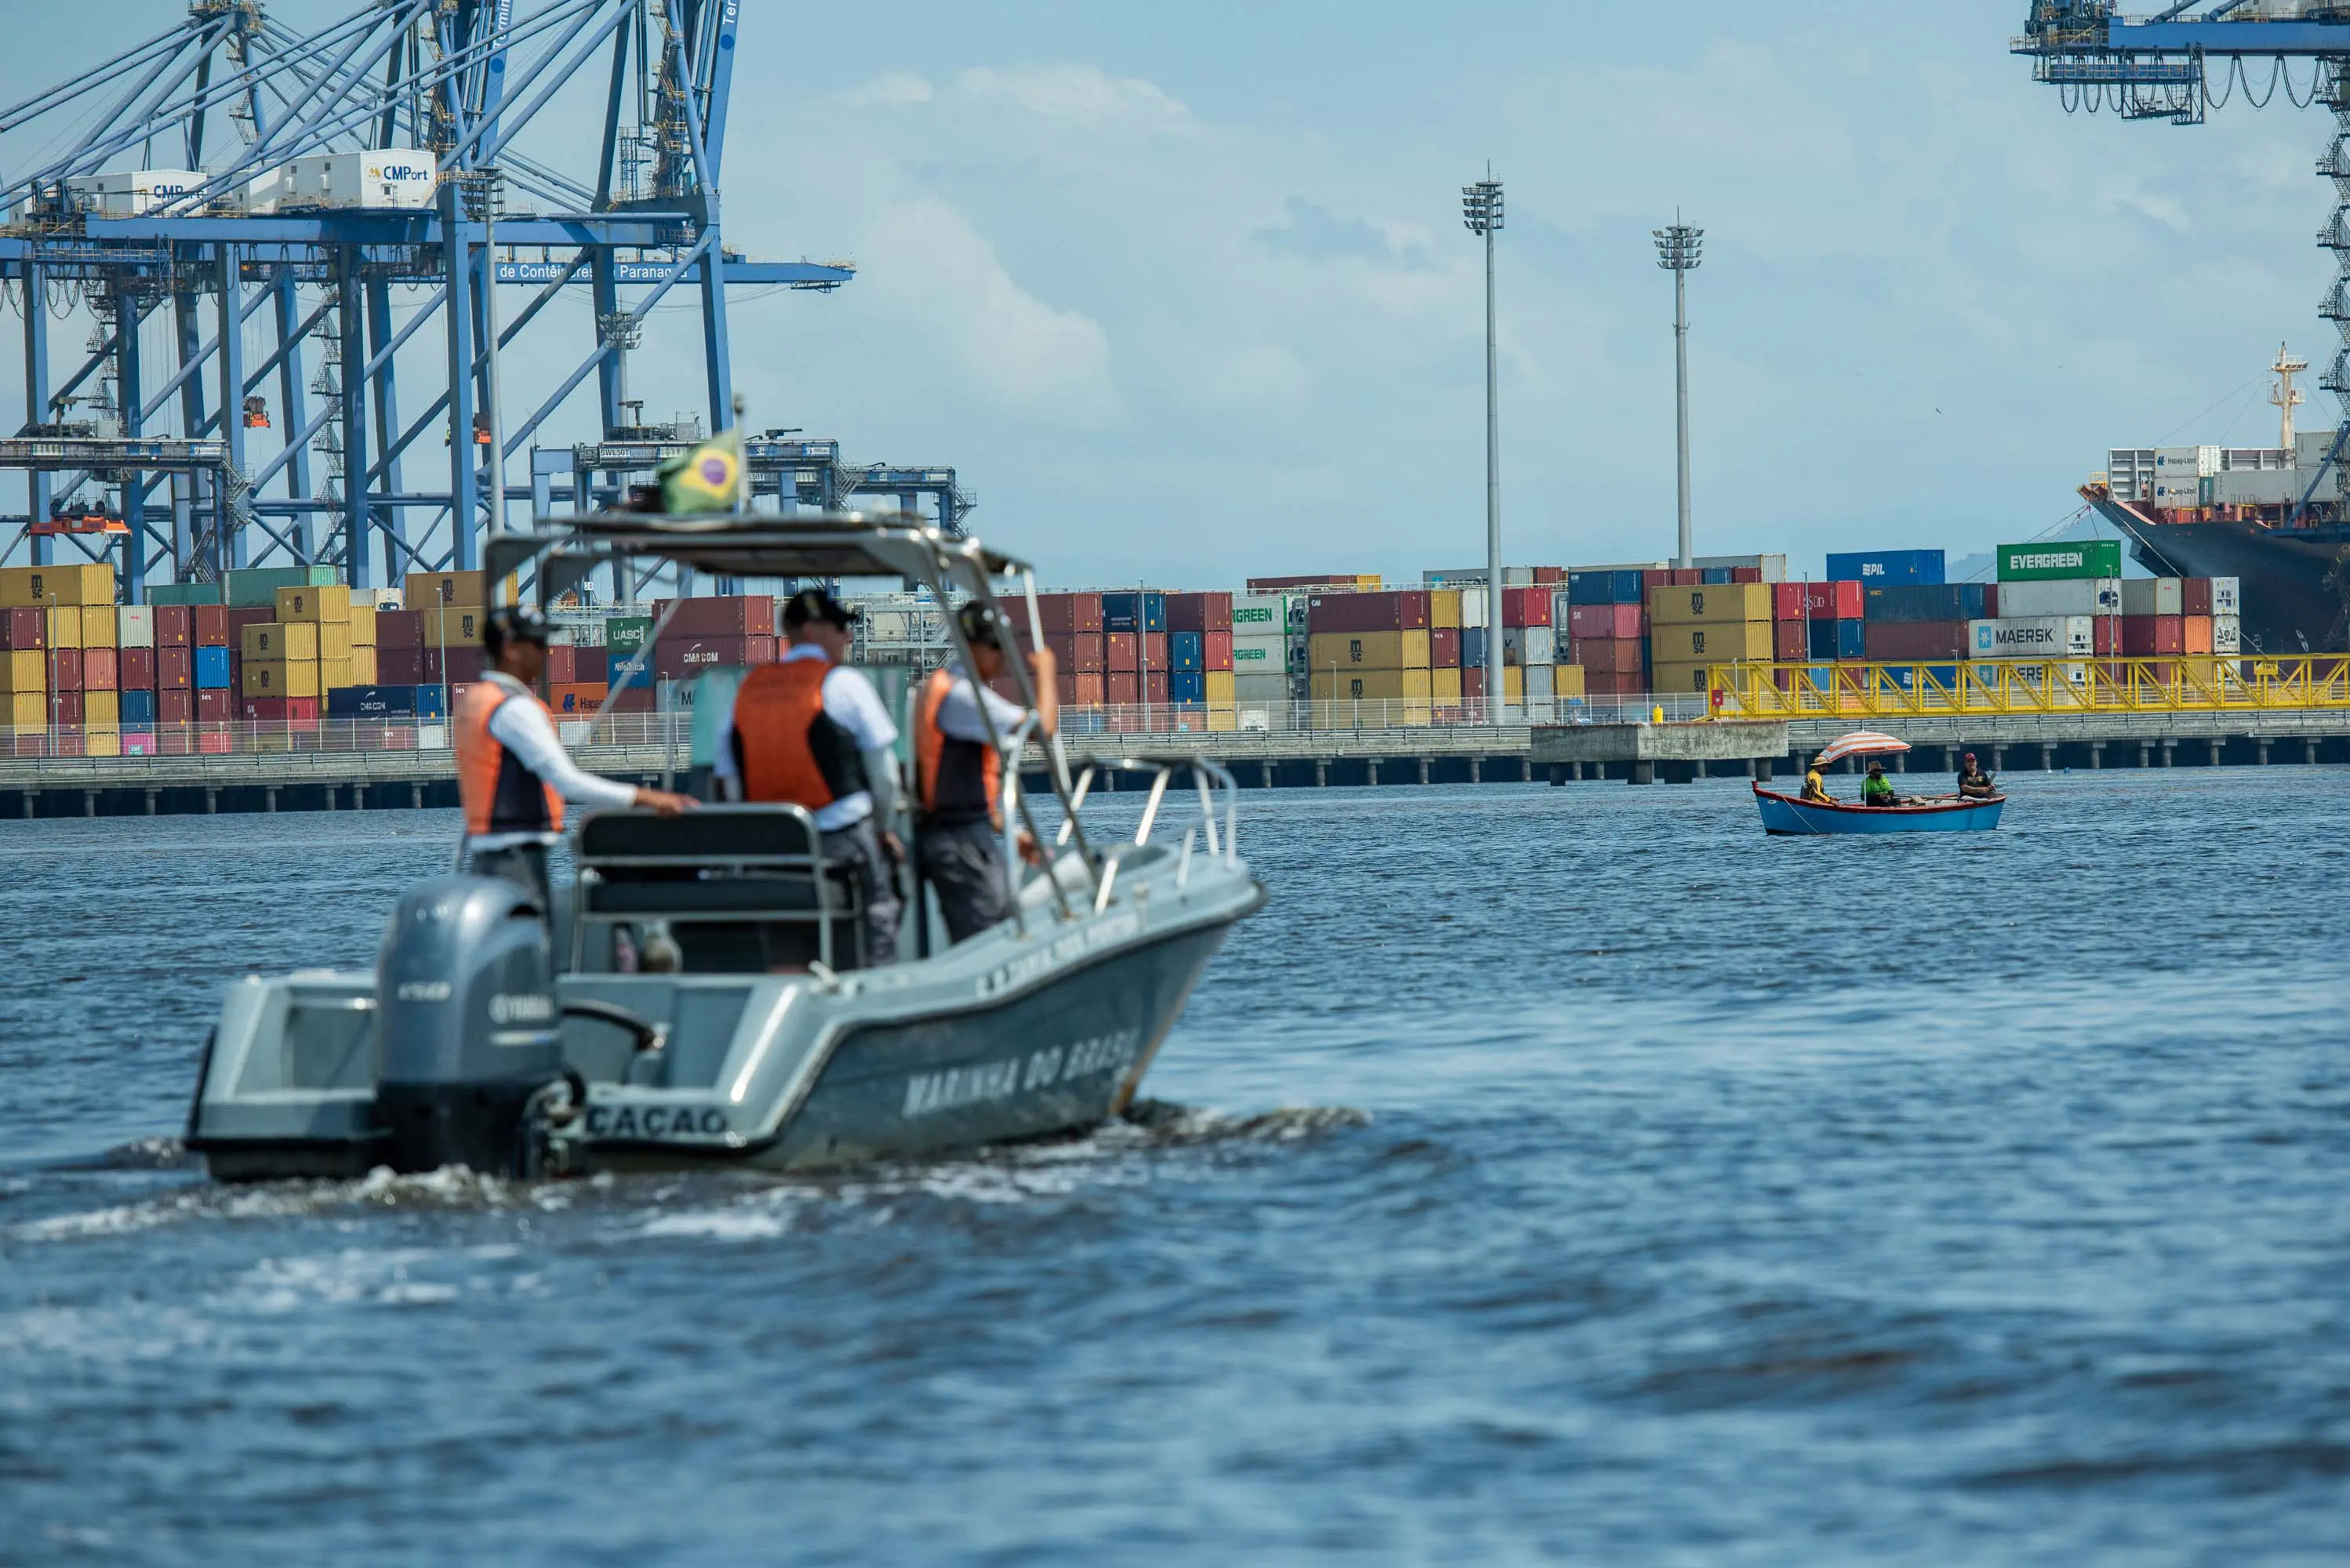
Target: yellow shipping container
(334, 639)
(65, 627)
(25, 710)
(99, 626)
(1711, 605)
(280, 678)
(25, 670)
(1220, 687)
(432, 590)
(1223, 720)
(1444, 687)
(1718, 641)
(363, 666)
(1366, 650)
(458, 626)
(1566, 681)
(333, 674)
(328, 605)
(25, 586)
(297, 641)
(1682, 679)
(98, 741)
(1371, 685)
(1444, 608)
(362, 625)
(102, 709)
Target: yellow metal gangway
(2190, 683)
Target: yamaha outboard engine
(467, 1029)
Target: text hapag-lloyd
(1101, 933)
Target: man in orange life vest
(810, 733)
(959, 776)
(512, 774)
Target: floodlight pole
(1482, 214)
(1679, 249)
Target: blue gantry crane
(231, 180)
(2179, 62)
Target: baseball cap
(514, 623)
(817, 605)
(980, 625)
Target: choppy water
(1563, 1173)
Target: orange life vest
(500, 794)
(789, 750)
(955, 781)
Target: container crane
(2189, 58)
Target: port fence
(2030, 688)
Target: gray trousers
(964, 862)
(857, 849)
(524, 865)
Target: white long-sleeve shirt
(523, 728)
(850, 702)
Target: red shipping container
(101, 670)
(1745, 574)
(1123, 688)
(214, 740)
(1155, 655)
(2195, 599)
(175, 626)
(1217, 649)
(1120, 655)
(1787, 601)
(1083, 690)
(174, 669)
(1199, 612)
(1405, 609)
(735, 616)
(1687, 577)
(1555, 576)
(251, 615)
(399, 666)
(443, 665)
(1154, 686)
(2146, 636)
(630, 699)
(1079, 654)
(211, 622)
(2195, 629)
(1607, 656)
(137, 669)
(1444, 647)
(1907, 641)
(215, 707)
(1991, 601)
(261, 710)
(1653, 578)
(1069, 614)
(591, 665)
(1832, 601)
(1525, 606)
(64, 707)
(398, 628)
(65, 670)
(1603, 622)
(682, 657)
(562, 665)
(175, 707)
(174, 739)
(1792, 640)
(23, 631)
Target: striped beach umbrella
(1860, 743)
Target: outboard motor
(467, 1028)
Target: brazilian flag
(707, 479)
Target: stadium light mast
(1480, 214)
(1679, 249)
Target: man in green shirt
(1878, 790)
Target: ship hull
(2287, 605)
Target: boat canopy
(750, 544)
(1860, 743)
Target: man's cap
(811, 605)
(514, 623)
(980, 624)
(1971, 757)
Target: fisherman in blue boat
(1878, 789)
(1973, 782)
(1815, 784)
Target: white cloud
(894, 89)
(1075, 92)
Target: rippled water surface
(1558, 1173)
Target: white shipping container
(2065, 595)
(2227, 634)
(1530, 645)
(1540, 683)
(133, 194)
(1256, 613)
(387, 177)
(2175, 463)
(2074, 675)
(1772, 568)
(2175, 493)
(1273, 687)
(2039, 637)
(2226, 596)
(1260, 655)
(1472, 607)
(2144, 595)
(2267, 487)
(134, 626)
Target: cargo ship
(2272, 517)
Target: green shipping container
(624, 634)
(183, 593)
(252, 587)
(2041, 563)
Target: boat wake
(1119, 1152)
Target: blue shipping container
(385, 702)
(431, 701)
(211, 669)
(1603, 588)
(1946, 675)
(1712, 576)
(642, 677)
(138, 707)
(1923, 601)
(1187, 650)
(1472, 647)
(1120, 612)
(1187, 685)
(1875, 567)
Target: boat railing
(1214, 832)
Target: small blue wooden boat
(1790, 815)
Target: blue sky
(1183, 292)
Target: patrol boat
(510, 1040)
